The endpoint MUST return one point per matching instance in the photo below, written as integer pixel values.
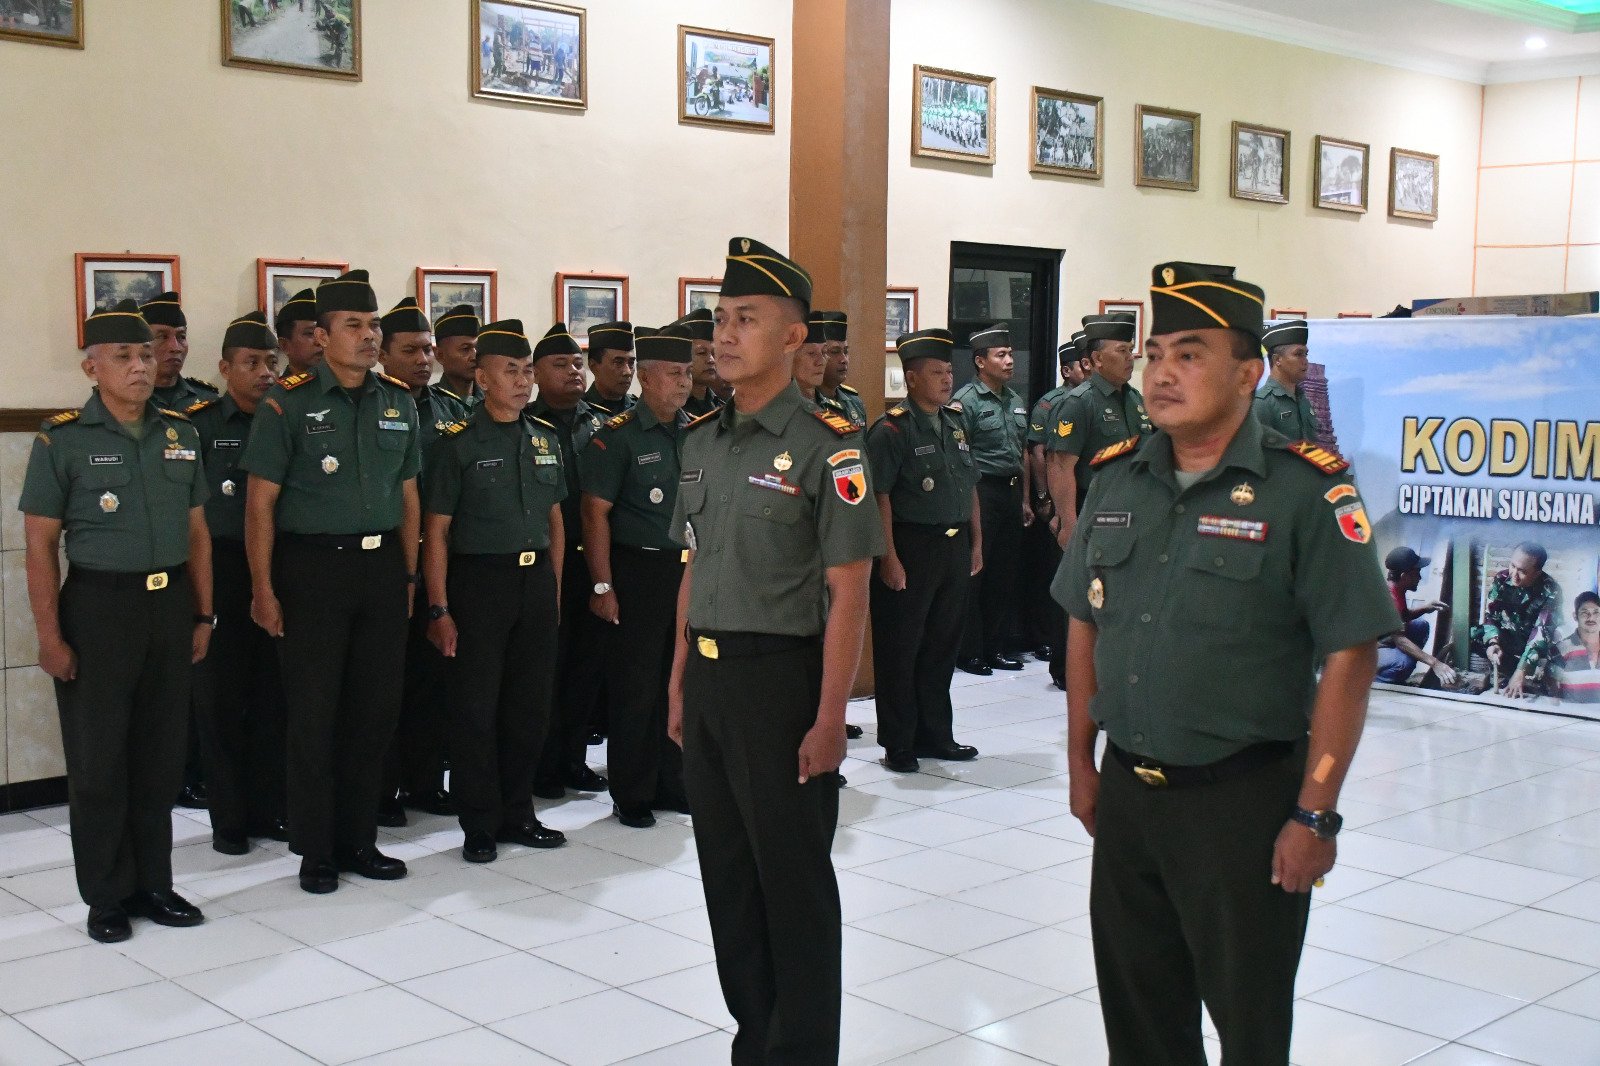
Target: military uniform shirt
(846, 401)
(1093, 416)
(497, 481)
(924, 463)
(1039, 420)
(1287, 412)
(769, 501)
(608, 408)
(695, 408)
(465, 403)
(436, 409)
(184, 393)
(1214, 603)
(574, 427)
(342, 464)
(124, 503)
(224, 430)
(996, 424)
(632, 464)
(1522, 620)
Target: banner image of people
(1476, 446)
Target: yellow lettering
(1418, 444)
(1541, 449)
(1504, 461)
(1477, 441)
(1576, 456)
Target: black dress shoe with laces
(532, 834)
(479, 847)
(391, 815)
(639, 818)
(582, 779)
(372, 864)
(1000, 662)
(975, 666)
(949, 752)
(163, 908)
(318, 878)
(434, 801)
(109, 925)
(901, 762)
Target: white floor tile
(72, 974)
(1018, 849)
(1556, 935)
(945, 926)
(503, 987)
(458, 888)
(24, 1047)
(1031, 897)
(1005, 808)
(1581, 998)
(1427, 905)
(853, 848)
(694, 924)
(219, 942)
(1541, 1036)
(963, 1051)
(694, 992)
(627, 954)
(529, 923)
(279, 983)
(117, 1021)
(1382, 855)
(237, 1045)
(957, 995)
(1367, 936)
(1496, 968)
(470, 1046)
(932, 870)
(1064, 1033)
(567, 867)
(361, 1025)
(1412, 1001)
(713, 1047)
(927, 827)
(876, 1034)
(1580, 901)
(1461, 1055)
(868, 957)
(1050, 957)
(351, 911)
(649, 893)
(862, 897)
(34, 932)
(1507, 881)
(1324, 1036)
(1546, 853)
(415, 949)
(603, 1028)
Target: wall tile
(14, 450)
(1586, 200)
(1525, 205)
(1529, 122)
(1518, 271)
(1589, 124)
(33, 730)
(1583, 270)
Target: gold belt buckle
(1151, 775)
(155, 582)
(527, 558)
(685, 557)
(707, 646)
(372, 541)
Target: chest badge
(1097, 594)
(540, 443)
(782, 463)
(927, 484)
(330, 464)
(960, 435)
(109, 502)
(1243, 494)
(228, 488)
(172, 435)
(391, 413)
(656, 495)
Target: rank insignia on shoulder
(1064, 429)
(841, 426)
(897, 410)
(294, 381)
(1114, 451)
(618, 421)
(1325, 460)
(396, 382)
(542, 422)
(200, 405)
(179, 415)
(61, 418)
(450, 429)
(703, 419)
(953, 405)
(846, 388)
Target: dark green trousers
(1183, 911)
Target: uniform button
(1133, 679)
(1144, 618)
(735, 451)
(1220, 560)
(1161, 558)
(723, 498)
(1179, 508)
(1098, 553)
(1138, 738)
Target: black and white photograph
(529, 53)
(317, 37)
(697, 293)
(900, 311)
(1260, 166)
(277, 280)
(104, 279)
(724, 79)
(952, 115)
(586, 300)
(1168, 148)
(57, 22)
(1341, 175)
(440, 289)
(1067, 133)
(1413, 185)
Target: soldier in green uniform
(834, 392)
(1281, 403)
(296, 326)
(455, 333)
(927, 498)
(996, 426)
(630, 484)
(811, 362)
(703, 370)
(121, 478)
(1046, 556)
(238, 691)
(169, 332)
(774, 505)
(1518, 631)
(492, 555)
(1215, 566)
(611, 365)
(331, 530)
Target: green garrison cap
(460, 321)
(835, 325)
(817, 327)
(301, 307)
(556, 341)
(700, 323)
(669, 344)
(350, 291)
(505, 337)
(404, 317)
(1185, 296)
(1288, 331)
(120, 324)
(249, 331)
(164, 310)
(1073, 350)
(616, 336)
(926, 344)
(995, 336)
(1117, 326)
(754, 269)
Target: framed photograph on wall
(1167, 148)
(57, 22)
(439, 289)
(725, 79)
(104, 278)
(1341, 183)
(1128, 307)
(529, 53)
(584, 300)
(900, 314)
(1413, 185)
(277, 280)
(1280, 314)
(695, 293)
(1355, 314)
(317, 37)
(1259, 167)
(1068, 133)
(952, 115)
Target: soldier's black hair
(1533, 551)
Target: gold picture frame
(1166, 148)
(742, 94)
(1336, 187)
(314, 26)
(1413, 185)
(508, 69)
(937, 130)
(1267, 148)
(1053, 111)
(34, 34)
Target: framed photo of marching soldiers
(277, 280)
(317, 37)
(725, 79)
(1259, 167)
(106, 278)
(57, 22)
(952, 115)
(1341, 175)
(695, 293)
(530, 53)
(440, 289)
(1413, 185)
(1168, 147)
(1068, 133)
(584, 300)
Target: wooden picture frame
(496, 68)
(697, 292)
(1053, 112)
(315, 26)
(1280, 314)
(1355, 314)
(901, 308)
(1336, 187)
(104, 278)
(937, 130)
(1413, 185)
(743, 94)
(279, 279)
(590, 308)
(1163, 138)
(59, 38)
(441, 288)
(1267, 147)
(1133, 307)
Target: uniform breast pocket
(693, 496)
(394, 440)
(781, 520)
(989, 421)
(1110, 555)
(1221, 585)
(489, 491)
(109, 476)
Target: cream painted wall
(1320, 260)
(145, 141)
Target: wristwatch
(437, 611)
(1326, 824)
(206, 620)
(602, 587)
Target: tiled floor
(1461, 928)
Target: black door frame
(1045, 266)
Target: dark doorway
(992, 283)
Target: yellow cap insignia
(1169, 275)
(172, 435)
(782, 463)
(744, 245)
(1243, 494)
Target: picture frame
(900, 313)
(104, 278)
(52, 26)
(695, 293)
(279, 279)
(1355, 314)
(441, 288)
(1413, 185)
(1133, 307)
(726, 79)
(952, 115)
(1341, 175)
(1068, 133)
(1166, 148)
(319, 38)
(1280, 314)
(584, 300)
(529, 52)
(1258, 164)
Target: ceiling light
(1535, 44)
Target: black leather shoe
(550, 790)
(633, 819)
(596, 739)
(434, 801)
(163, 908)
(975, 666)
(901, 762)
(949, 752)
(318, 877)
(277, 829)
(371, 863)
(532, 834)
(229, 845)
(582, 779)
(479, 848)
(1043, 653)
(1000, 662)
(193, 797)
(391, 815)
(853, 732)
(109, 925)
(842, 781)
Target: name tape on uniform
(1113, 519)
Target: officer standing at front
(331, 530)
(1216, 566)
(927, 497)
(1281, 402)
(774, 505)
(611, 366)
(492, 558)
(121, 477)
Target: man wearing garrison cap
(810, 362)
(169, 341)
(703, 370)
(296, 327)
(775, 506)
(331, 530)
(456, 334)
(611, 363)
(1281, 403)
(833, 392)
(1216, 564)
(121, 478)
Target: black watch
(437, 611)
(206, 620)
(1326, 824)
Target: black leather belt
(498, 560)
(932, 529)
(140, 580)
(717, 644)
(676, 555)
(343, 541)
(1008, 480)
(1162, 775)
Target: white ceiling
(1481, 41)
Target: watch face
(1331, 823)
